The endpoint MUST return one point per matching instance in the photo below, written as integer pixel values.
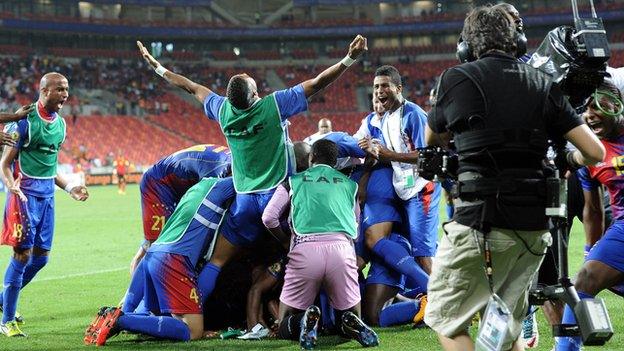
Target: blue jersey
(348, 149)
(194, 163)
(347, 145)
(608, 173)
(412, 128)
(192, 226)
(30, 186)
(371, 127)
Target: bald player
(324, 128)
(30, 174)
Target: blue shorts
(610, 248)
(40, 213)
(378, 273)
(381, 200)
(170, 284)
(243, 223)
(421, 218)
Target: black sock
(290, 327)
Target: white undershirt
(393, 136)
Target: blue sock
(327, 312)
(158, 326)
(570, 343)
(134, 295)
(207, 280)
(399, 259)
(35, 265)
(586, 249)
(398, 313)
(12, 285)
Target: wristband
(160, 70)
(69, 187)
(347, 61)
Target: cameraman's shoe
(353, 327)
(309, 326)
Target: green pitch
(88, 268)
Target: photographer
(500, 113)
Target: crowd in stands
(138, 94)
(290, 20)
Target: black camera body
(575, 57)
(435, 163)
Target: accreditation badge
(494, 325)
(409, 180)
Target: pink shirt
(280, 202)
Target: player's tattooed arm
(19, 114)
(199, 91)
(328, 76)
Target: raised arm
(328, 76)
(199, 91)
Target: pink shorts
(326, 261)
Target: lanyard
(488, 262)
(400, 126)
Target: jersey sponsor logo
(322, 179)
(245, 131)
(618, 164)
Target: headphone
(465, 54)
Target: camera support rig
(593, 322)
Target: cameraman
(500, 113)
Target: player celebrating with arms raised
(255, 129)
(29, 210)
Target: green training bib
(322, 201)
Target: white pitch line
(80, 274)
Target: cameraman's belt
(493, 186)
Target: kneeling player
(324, 217)
(170, 277)
(162, 187)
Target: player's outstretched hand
(79, 193)
(357, 47)
(147, 56)
(25, 110)
(15, 189)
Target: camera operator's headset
(465, 53)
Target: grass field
(88, 268)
